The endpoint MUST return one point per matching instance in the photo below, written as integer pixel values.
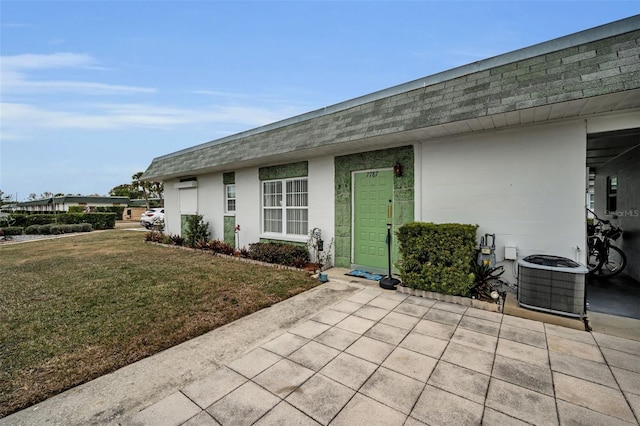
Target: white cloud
(24, 118)
(16, 79)
(54, 60)
(221, 94)
(18, 117)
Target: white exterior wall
(322, 199)
(210, 199)
(526, 185)
(248, 206)
(171, 208)
(321, 202)
(211, 203)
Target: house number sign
(372, 174)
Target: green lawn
(75, 308)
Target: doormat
(365, 274)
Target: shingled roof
(75, 199)
(593, 71)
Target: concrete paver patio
(381, 357)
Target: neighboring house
(137, 207)
(62, 203)
(7, 208)
(504, 143)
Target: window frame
(227, 198)
(612, 194)
(282, 198)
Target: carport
(613, 160)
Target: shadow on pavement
(618, 296)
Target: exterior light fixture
(397, 170)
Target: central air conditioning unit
(552, 284)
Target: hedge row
(437, 257)
(49, 229)
(57, 229)
(97, 220)
(9, 231)
(279, 253)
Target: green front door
(373, 198)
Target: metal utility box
(552, 284)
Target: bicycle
(604, 260)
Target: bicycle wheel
(613, 264)
(594, 261)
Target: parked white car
(152, 217)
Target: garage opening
(613, 200)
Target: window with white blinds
(230, 198)
(285, 206)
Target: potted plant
(485, 279)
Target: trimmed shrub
(44, 229)
(11, 230)
(57, 229)
(118, 210)
(61, 229)
(32, 229)
(279, 253)
(97, 220)
(39, 219)
(437, 257)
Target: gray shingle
(536, 76)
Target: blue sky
(92, 91)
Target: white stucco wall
(526, 185)
(210, 201)
(171, 208)
(321, 202)
(248, 205)
(322, 199)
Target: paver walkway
(385, 358)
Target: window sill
(285, 238)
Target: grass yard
(75, 308)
